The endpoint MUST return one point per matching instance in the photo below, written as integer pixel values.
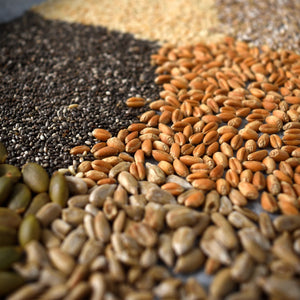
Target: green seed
(9, 255)
(6, 185)
(9, 218)
(35, 177)
(19, 198)
(37, 202)
(9, 282)
(3, 153)
(58, 189)
(10, 171)
(30, 229)
(8, 236)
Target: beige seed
(254, 243)
(181, 217)
(190, 261)
(222, 284)
(183, 240)
(61, 260)
(128, 182)
(102, 227)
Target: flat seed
(48, 213)
(222, 284)
(29, 230)
(99, 194)
(181, 217)
(35, 177)
(102, 227)
(58, 189)
(254, 243)
(61, 260)
(242, 267)
(183, 240)
(189, 262)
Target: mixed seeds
(59, 81)
(167, 195)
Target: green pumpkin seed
(35, 177)
(10, 171)
(58, 189)
(3, 153)
(6, 185)
(9, 255)
(9, 218)
(30, 229)
(19, 198)
(9, 282)
(8, 236)
(37, 202)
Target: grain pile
(179, 22)
(131, 226)
(275, 23)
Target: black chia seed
(46, 66)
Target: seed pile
(275, 23)
(130, 226)
(197, 129)
(58, 81)
(180, 21)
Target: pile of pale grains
(177, 22)
(130, 226)
(271, 22)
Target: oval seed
(58, 189)
(19, 198)
(29, 230)
(35, 177)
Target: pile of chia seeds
(59, 81)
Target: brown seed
(232, 178)
(180, 168)
(116, 143)
(105, 152)
(248, 134)
(258, 155)
(275, 141)
(263, 141)
(237, 197)
(220, 159)
(204, 184)
(259, 180)
(270, 164)
(135, 102)
(166, 167)
(254, 166)
(249, 190)
(101, 134)
(133, 145)
(80, 150)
